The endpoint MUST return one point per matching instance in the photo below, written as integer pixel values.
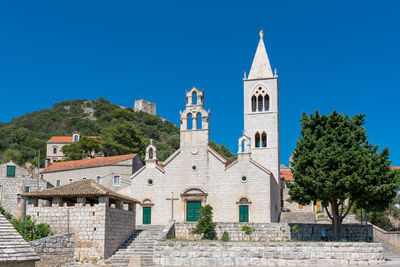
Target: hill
(20, 138)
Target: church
(246, 190)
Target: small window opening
(260, 103)
(54, 150)
(150, 182)
(264, 140)
(257, 140)
(254, 103)
(199, 121)
(266, 102)
(189, 121)
(194, 97)
(242, 146)
(244, 179)
(151, 153)
(194, 167)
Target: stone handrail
(168, 231)
(393, 238)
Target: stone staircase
(140, 243)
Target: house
(113, 172)
(246, 190)
(145, 106)
(100, 218)
(54, 146)
(14, 250)
(13, 178)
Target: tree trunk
(336, 220)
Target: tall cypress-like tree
(333, 162)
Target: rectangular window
(116, 181)
(300, 207)
(98, 178)
(58, 183)
(27, 189)
(54, 150)
(83, 178)
(10, 171)
(70, 180)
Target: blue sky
(330, 55)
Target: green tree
(123, 138)
(85, 147)
(334, 162)
(12, 155)
(205, 226)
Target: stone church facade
(246, 190)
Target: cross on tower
(172, 204)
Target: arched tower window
(266, 102)
(260, 103)
(260, 100)
(264, 140)
(189, 121)
(257, 140)
(194, 98)
(151, 153)
(254, 103)
(199, 121)
(242, 146)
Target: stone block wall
(263, 232)
(393, 238)
(317, 232)
(119, 226)
(56, 250)
(190, 253)
(99, 230)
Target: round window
(194, 167)
(150, 182)
(244, 179)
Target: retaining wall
(193, 253)
(55, 251)
(393, 238)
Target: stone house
(113, 172)
(145, 106)
(14, 250)
(246, 190)
(13, 178)
(100, 218)
(54, 146)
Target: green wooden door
(146, 215)
(193, 211)
(243, 213)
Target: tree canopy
(85, 147)
(334, 162)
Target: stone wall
(55, 251)
(191, 253)
(393, 238)
(317, 232)
(263, 232)
(280, 231)
(92, 225)
(120, 225)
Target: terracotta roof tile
(395, 167)
(287, 175)
(79, 188)
(85, 163)
(66, 139)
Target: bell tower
(194, 120)
(261, 111)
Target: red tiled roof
(395, 168)
(287, 175)
(85, 163)
(66, 139)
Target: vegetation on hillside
(333, 162)
(121, 129)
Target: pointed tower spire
(260, 67)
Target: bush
(205, 226)
(225, 237)
(29, 230)
(247, 230)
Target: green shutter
(146, 215)
(11, 171)
(243, 213)
(193, 211)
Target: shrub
(296, 232)
(225, 237)
(247, 230)
(205, 226)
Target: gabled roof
(287, 175)
(13, 248)
(261, 67)
(81, 188)
(66, 139)
(86, 163)
(395, 168)
(219, 156)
